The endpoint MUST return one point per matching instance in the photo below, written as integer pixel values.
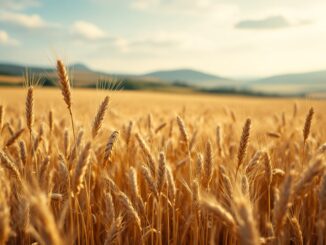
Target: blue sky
(236, 38)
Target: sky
(234, 38)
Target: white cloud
(147, 42)
(28, 21)
(5, 39)
(192, 7)
(270, 23)
(18, 4)
(88, 31)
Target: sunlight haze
(235, 38)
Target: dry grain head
(97, 123)
(64, 83)
(307, 124)
(30, 108)
(243, 143)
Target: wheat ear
(66, 92)
(183, 132)
(282, 205)
(81, 168)
(1, 116)
(11, 167)
(247, 228)
(30, 109)
(161, 172)
(109, 146)
(150, 160)
(149, 180)
(243, 143)
(14, 137)
(208, 164)
(100, 116)
(130, 208)
(4, 218)
(307, 125)
(216, 208)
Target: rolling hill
(191, 77)
(294, 83)
(298, 78)
(19, 70)
(82, 76)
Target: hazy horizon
(239, 78)
(235, 38)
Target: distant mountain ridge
(304, 77)
(79, 67)
(293, 83)
(192, 77)
(182, 75)
(17, 70)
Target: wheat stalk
(161, 172)
(65, 90)
(208, 163)
(30, 109)
(219, 140)
(100, 116)
(50, 118)
(243, 143)
(14, 137)
(171, 184)
(213, 206)
(307, 125)
(247, 228)
(115, 229)
(147, 153)
(149, 180)
(109, 146)
(313, 170)
(130, 209)
(1, 117)
(183, 132)
(4, 218)
(80, 169)
(128, 134)
(282, 205)
(64, 83)
(11, 167)
(110, 209)
(297, 230)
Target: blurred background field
(311, 84)
(133, 104)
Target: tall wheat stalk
(66, 91)
(243, 144)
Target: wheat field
(118, 167)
